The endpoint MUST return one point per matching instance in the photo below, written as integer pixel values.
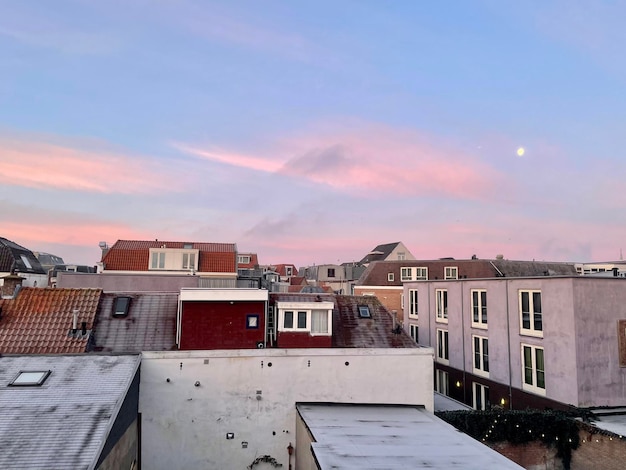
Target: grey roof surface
(392, 437)
(149, 326)
(445, 403)
(64, 423)
(11, 257)
(379, 253)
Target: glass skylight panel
(364, 311)
(30, 378)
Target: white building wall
(184, 426)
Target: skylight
(120, 307)
(364, 311)
(30, 378)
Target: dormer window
(314, 318)
(189, 260)
(243, 259)
(121, 306)
(158, 260)
(30, 378)
(26, 262)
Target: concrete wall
(305, 459)
(185, 426)
(128, 282)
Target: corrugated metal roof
(38, 320)
(63, 423)
(149, 326)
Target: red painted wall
(220, 325)
(288, 339)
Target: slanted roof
(12, 256)
(510, 268)
(384, 437)
(349, 329)
(254, 261)
(65, 422)
(134, 255)
(38, 320)
(149, 326)
(282, 269)
(381, 252)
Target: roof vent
(499, 256)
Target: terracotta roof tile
(38, 320)
(134, 255)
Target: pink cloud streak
(36, 163)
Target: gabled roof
(12, 256)
(381, 252)
(65, 422)
(38, 320)
(134, 255)
(281, 269)
(149, 326)
(349, 329)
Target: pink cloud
(369, 160)
(35, 162)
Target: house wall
(305, 458)
(221, 325)
(599, 304)
(114, 282)
(400, 248)
(288, 339)
(504, 336)
(30, 280)
(390, 297)
(185, 426)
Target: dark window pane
(288, 320)
(301, 319)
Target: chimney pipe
(75, 321)
(83, 328)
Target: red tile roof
(282, 269)
(134, 255)
(38, 320)
(254, 261)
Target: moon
(521, 151)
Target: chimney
(83, 328)
(11, 285)
(74, 321)
(105, 249)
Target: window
(390, 277)
(421, 274)
(302, 320)
(533, 369)
(158, 260)
(413, 302)
(413, 331)
(189, 261)
(288, 321)
(530, 312)
(331, 272)
(442, 346)
(319, 322)
(481, 397)
(288, 270)
(406, 274)
(479, 308)
(30, 378)
(481, 355)
(621, 342)
(441, 382)
(364, 311)
(26, 262)
(121, 306)
(442, 305)
(243, 259)
(451, 272)
(401, 256)
(252, 322)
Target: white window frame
(441, 305)
(442, 353)
(483, 358)
(307, 308)
(421, 273)
(531, 331)
(480, 307)
(533, 387)
(243, 259)
(484, 392)
(189, 261)
(157, 260)
(442, 382)
(406, 274)
(390, 277)
(414, 332)
(401, 255)
(451, 272)
(288, 271)
(413, 303)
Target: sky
(310, 132)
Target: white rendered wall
(185, 426)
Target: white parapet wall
(225, 409)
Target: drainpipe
(463, 339)
(508, 343)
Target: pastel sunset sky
(310, 132)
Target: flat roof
(385, 437)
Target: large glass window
(481, 396)
(442, 346)
(479, 308)
(413, 302)
(301, 320)
(319, 321)
(531, 317)
(288, 322)
(481, 355)
(442, 304)
(533, 369)
(441, 382)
